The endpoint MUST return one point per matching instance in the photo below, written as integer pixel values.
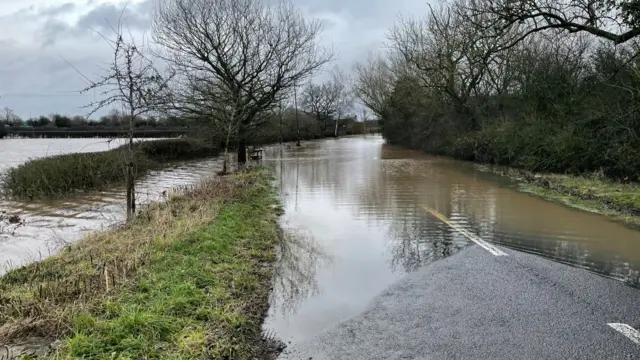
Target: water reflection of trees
(388, 188)
(298, 258)
(417, 240)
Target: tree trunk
(281, 132)
(242, 145)
(224, 162)
(131, 195)
(335, 131)
(242, 152)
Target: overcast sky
(39, 37)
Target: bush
(558, 119)
(65, 174)
(176, 149)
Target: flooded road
(357, 220)
(50, 225)
(356, 214)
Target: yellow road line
(483, 244)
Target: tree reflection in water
(295, 272)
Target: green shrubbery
(566, 113)
(65, 174)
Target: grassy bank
(593, 192)
(187, 279)
(65, 174)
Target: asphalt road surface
(476, 305)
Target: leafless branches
(447, 53)
(131, 81)
(374, 83)
(609, 19)
(329, 100)
(250, 53)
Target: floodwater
(356, 221)
(50, 225)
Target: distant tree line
(115, 119)
(540, 85)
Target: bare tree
(447, 54)
(364, 116)
(10, 118)
(320, 100)
(7, 115)
(344, 103)
(374, 83)
(329, 100)
(132, 82)
(254, 52)
(614, 20)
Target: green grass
(62, 175)
(188, 279)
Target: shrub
(64, 174)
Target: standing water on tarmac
(357, 219)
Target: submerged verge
(592, 192)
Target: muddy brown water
(356, 219)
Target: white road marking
(628, 331)
(483, 244)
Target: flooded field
(358, 219)
(52, 224)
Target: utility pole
(281, 115)
(295, 104)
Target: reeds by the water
(60, 175)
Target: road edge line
(626, 330)
(483, 244)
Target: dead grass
(187, 278)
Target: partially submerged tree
(328, 100)
(320, 100)
(132, 82)
(345, 99)
(250, 52)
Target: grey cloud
(106, 15)
(353, 28)
(57, 10)
(100, 18)
(50, 31)
(360, 8)
(37, 82)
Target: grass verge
(61, 175)
(187, 279)
(593, 192)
